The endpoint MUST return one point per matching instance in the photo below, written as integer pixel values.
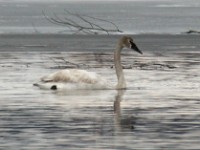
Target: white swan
(81, 79)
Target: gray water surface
(159, 110)
(154, 16)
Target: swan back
(73, 79)
(71, 76)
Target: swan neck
(118, 67)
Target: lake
(159, 109)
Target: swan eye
(131, 43)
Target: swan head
(128, 42)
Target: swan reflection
(122, 121)
(96, 111)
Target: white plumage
(80, 79)
(73, 79)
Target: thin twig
(92, 27)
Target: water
(159, 16)
(159, 110)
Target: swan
(81, 79)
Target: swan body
(73, 79)
(80, 79)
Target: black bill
(134, 47)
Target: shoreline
(96, 43)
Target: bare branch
(86, 24)
(105, 21)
